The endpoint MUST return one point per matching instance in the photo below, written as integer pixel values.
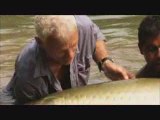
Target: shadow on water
(119, 30)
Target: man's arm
(29, 90)
(111, 70)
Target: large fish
(125, 92)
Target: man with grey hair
(60, 56)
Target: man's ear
(140, 48)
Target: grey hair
(62, 26)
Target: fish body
(125, 92)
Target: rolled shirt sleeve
(97, 33)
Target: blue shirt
(32, 78)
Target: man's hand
(111, 70)
(116, 72)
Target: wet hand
(116, 72)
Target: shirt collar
(41, 68)
(77, 51)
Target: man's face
(62, 53)
(151, 52)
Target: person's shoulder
(142, 72)
(85, 17)
(29, 50)
(27, 55)
(83, 20)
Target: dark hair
(149, 29)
